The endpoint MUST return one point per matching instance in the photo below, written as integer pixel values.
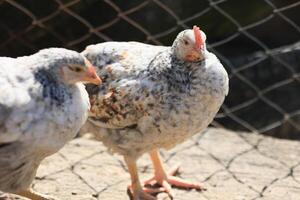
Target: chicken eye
(76, 69)
(186, 42)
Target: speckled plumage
(38, 113)
(150, 98)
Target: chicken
(43, 104)
(154, 97)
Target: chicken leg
(137, 191)
(167, 179)
(30, 194)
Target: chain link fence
(257, 41)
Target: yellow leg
(136, 189)
(30, 194)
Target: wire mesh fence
(257, 41)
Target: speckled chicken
(43, 104)
(154, 97)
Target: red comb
(198, 38)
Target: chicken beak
(91, 75)
(194, 56)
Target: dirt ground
(232, 166)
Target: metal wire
(17, 37)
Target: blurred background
(258, 42)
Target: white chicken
(43, 104)
(154, 97)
